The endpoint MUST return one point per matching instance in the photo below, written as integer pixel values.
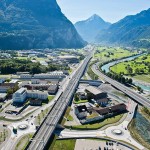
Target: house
(116, 109)
(20, 96)
(53, 88)
(35, 102)
(99, 96)
(81, 111)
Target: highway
(43, 135)
(135, 96)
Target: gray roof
(94, 90)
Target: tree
(76, 98)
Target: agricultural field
(138, 66)
(106, 54)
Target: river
(107, 66)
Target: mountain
(27, 24)
(89, 28)
(133, 30)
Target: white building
(51, 75)
(37, 95)
(2, 80)
(20, 96)
(25, 76)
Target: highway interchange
(48, 126)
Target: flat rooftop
(94, 90)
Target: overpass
(135, 96)
(91, 82)
(44, 133)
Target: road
(135, 96)
(108, 132)
(47, 128)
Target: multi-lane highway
(135, 96)
(43, 135)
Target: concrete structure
(53, 88)
(20, 96)
(81, 111)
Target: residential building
(20, 96)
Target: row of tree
(119, 77)
(12, 66)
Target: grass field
(80, 101)
(107, 54)
(50, 97)
(99, 125)
(139, 66)
(144, 78)
(64, 144)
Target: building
(99, 96)
(69, 58)
(2, 97)
(2, 80)
(82, 95)
(23, 94)
(5, 86)
(116, 109)
(53, 88)
(35, 102)
(25, 76)
(81, 111)
(37, 95)
(20, 96)
(52, 75)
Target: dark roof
(82, 108)
(53, 87)
(112, 109)
(8, 84)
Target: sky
(110, 10)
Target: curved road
(135, 96)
